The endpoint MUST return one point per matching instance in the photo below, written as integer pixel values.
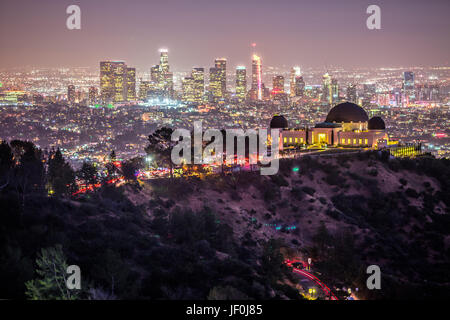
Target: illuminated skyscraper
(164, 60)
(144, 87)
(241, 83)
(165, 77)
(71, 94)
(215, 85)
(221, 65)
(188, 88)
(408, 88)
(154, 74)
(198, 74)
(299, 86)
(93, 93)
(278, 84)
(295, 72)
(327, 95)
(334, 91)
(131, 84)
(113, 81)
(351, 93)
(257, 85)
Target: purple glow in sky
(287, 32)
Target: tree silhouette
(160, 147)
(88, 174)
(51, 283)
(60, 175)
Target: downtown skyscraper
(295, 72)
(131, 84)
(241, 83)
(162, 78)
(113, 81)
(257, 85)
(198, 75)
(218, 80)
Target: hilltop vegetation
(225, 236)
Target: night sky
(311, 33)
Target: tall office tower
(131, 84)
(93, 93)
(198, 74)
(215, 84)
(257, 85)
(295, 72)
(188, 89)
(334, 91)
(241, 83)
(113, 81)
(71, 94)
(164, 60)
(221, 64)
(144, 87)
(278, 84)
(327, 95)
(351, 93)
(408, 87)
(299, 86)
(154, 73)
(161, 75)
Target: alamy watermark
(374, 280)
(236, 139)
(74, 280)
(73, 21)
(374, 20)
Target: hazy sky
(287, 32)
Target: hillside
(227, 236)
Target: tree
(129, 169)
(322, 239)
(51, 283)
(30, 173)
(6, 164)
(61, 177)
(160, 147)
(111, 167)
(272, 259)
(88, 173)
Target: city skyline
(306, 34)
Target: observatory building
(346, 125)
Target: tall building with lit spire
(164, 60)
(257, 85)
